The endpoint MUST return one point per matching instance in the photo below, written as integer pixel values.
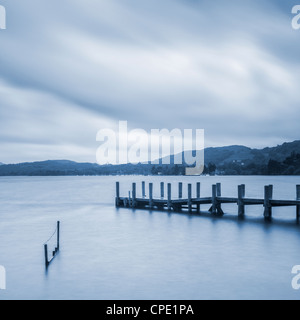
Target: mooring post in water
(214, 200)
(298, 198)
(190, 198)
(180, 190)
(46, 255)
(169, 196)
(133, 195)
(162, 190)
(151, 195)
(198, 195)
(58, 235)
(143, 190)
(241, 196)
(117, 194)
(267, 202)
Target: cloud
(229, 68)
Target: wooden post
(298, 198)
(214, 199)
(169, 196)
(190, 198)
(180, 190)
(267, 204)
(162, 190)
(198, 195)
(143, 190)
(151, 195)
(117, 194)
(219, 191)
(134, 195)
(46, 255)
(219, 194)
(58, 235)
(241, 196)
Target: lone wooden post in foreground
(46, 255)
(56, 249)
(58, 235)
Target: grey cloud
(228, 67)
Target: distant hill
(231, 160)
(225, 155)
(48, 168)
(241, 154)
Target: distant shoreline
(283, 160)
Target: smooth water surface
(123, 254)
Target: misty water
(123, 254)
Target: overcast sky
(70, 68)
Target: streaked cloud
(71, 68)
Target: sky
(71, 68)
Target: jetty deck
(193, 205)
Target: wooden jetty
(193, 205)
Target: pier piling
(298, 206)
(180, 190)
(190, 197)
(162, 190)
(241, 196)
(198, 195)
(169, 196)
(267, 202)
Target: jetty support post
(180, 190)
(190, 197)
(214, 199)
(151, 195)
(241, 196)
(267, 202)
(219, 194)
(133, 195)
(143, 190)
(162, 190)
(198, 195)
(298, 206)
(219, 190)
(117, 194)
(169, 196)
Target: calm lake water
(123, 254)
